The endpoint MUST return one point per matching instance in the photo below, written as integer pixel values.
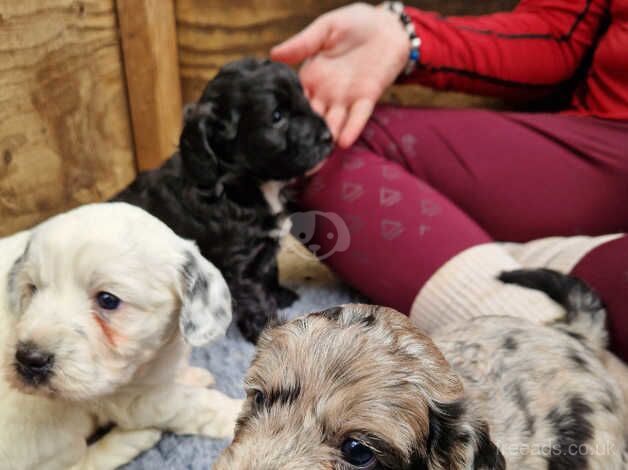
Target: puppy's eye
(259, 398)
(278, 116)
(107, 301)
(32, 289)
(357, 454)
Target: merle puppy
(358, 387)
(251, 132)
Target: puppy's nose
(326, 137)
(33, 364)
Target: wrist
(413, 41)
(397, 38)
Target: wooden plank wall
(149, 43)
(211, 33)
(65, 134)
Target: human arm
(354, 53)
(525, 53)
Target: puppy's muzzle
(32, 364)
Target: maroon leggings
(421, 185)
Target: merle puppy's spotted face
(354, 388)
(253, 120)
(358, 387)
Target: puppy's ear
(487, 454)
(205, 300)
(14, 289)
(206, 139)
(456, 441)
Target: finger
(318, 106)
(335, 119)
(358, 115)
(304, 44)
(307, 77)
(313, 85)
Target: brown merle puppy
(251, 132)
(358, 387)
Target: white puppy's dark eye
(107, 301)
(357, 454)
(278, 116)
(32, 288)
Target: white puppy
(96, 307)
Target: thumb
(304, 44)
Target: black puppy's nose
(33, 364)
(326, 137)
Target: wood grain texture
(64, 122)
(149, 43)
(212, 33)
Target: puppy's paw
(138, 440)
(117, 448)
(195, 377)
(223, 425)
(285, 297)
(251, 324)
(215, 415)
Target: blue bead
(414, 55)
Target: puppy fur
(492, 393)
(250, 133)
(126, 365)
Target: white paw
(223, 424)
(118, 448)
(215, 415)
(142, 439)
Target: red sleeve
(528, 52)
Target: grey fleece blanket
(228, 359)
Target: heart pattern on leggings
(351, 191)
(388, 197)
(391, 229)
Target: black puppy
(251, 132)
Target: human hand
(351, 56)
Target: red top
(533, 51)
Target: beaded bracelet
(415, 41)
